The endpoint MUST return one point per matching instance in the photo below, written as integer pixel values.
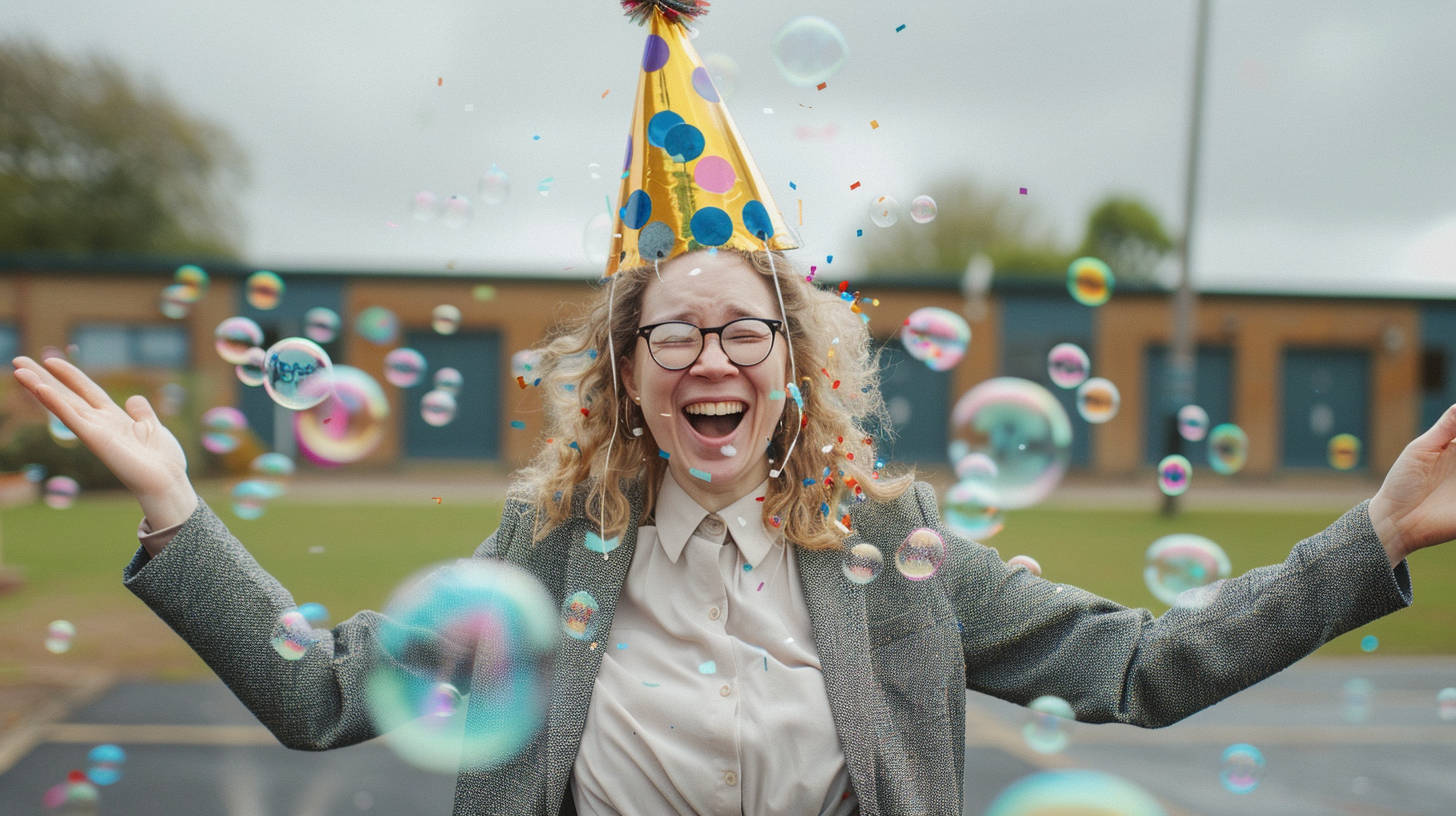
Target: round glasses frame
(774, 328)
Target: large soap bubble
(297, 373)
(1026, 433)
(234, 337)
(348, 425)
(467, 675)
(1084, 793)
(809, 50)
(938, 337)
(1183, 561)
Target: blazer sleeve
(1024, 637)
(213, 594)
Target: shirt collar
(678, 517)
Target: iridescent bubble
(194, 278)
(1241, 768)
(424, 206)
(723, 70)
(1369, 643)
(1068, 365)
(404, 367)
(321, 324)
(1090, 281)
(578, 615)
(1032, 565)
(234, 337)
(61, 492)
(1025, 432)
(1180, 562)
(437, 408)
(809, 50)
(105, 764)
(1098, 400)
(884, 211)
(482, 625)
(314, 613)
(297, 373)
(457, 211)
(1228, 449)
(59, 432)
(526, 364)
(449, 380)
(264, 290)
(1344, 451)
(1446, 704)
(1358, 692)
(348, 425)
(495, 186)
(74, 797)
(273, 465)
(976, 467)
(1175, 474)
(59, 635)
(923, 209)
(863, 563)
(250, 498)
(1074, 793)
(169, 399)
(378, 325)
(250, 370)
(445, 319)
(223, 428)
(293, 636)
(1047, 730)
(920, 554)
(938, 337)
(596, 238)
(1192, 423)
(176, 301)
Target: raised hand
(1416, 505)
(132, 443)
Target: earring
(637, 400)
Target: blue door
(919, 401)
(1213, 391)
(1030, 326)
(475, 431)
(1325, 394)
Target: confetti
(854, 186)
(874, 124)
(391, 223)
(701, 474)
(759, 498)
(775, 395)
(760, 585)
(859, 233)
(586, 412)
(440, 82)
(604, 93)
(664, 454)
(899, 28)
(621, 645)
(768, 110)
(829, 259)
(793, 186)
(728, 450)
(650, 685)
(821, 86)
(801, 212)
(695, 271)
(1023, 191)
(748, 568)
(518, 425)
(521, 381)
(437, 499)
(808, 482)
(536, 138)
(636, 431)
(743, 523)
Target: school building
(1291, 370)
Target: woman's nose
(712, 359)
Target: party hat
(688, 181)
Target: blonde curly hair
(838, 371)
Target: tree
(1128, 237)
(92, 160)
(969, 220)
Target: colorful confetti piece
(855, 186)
(701, 474)
(899, 28)
(518, 425)
(874, 124)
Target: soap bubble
(61, 492)
(424, 206)
(1098, 400)
(264, 290)
(526, 364)
(920, 554)
(275, 466)
(76, 796)
(378, 325)
(1085, 793)
(579, 615)
(250, 370)
(1068, 365)
(1090, 281)
(976, 467)
(293, 636)
(1032, 565)
(1446, 704)
(297, 373)
(863, 563)
(348, 425)
(1025, 432)
(250, 498)
(314, 613)
(723, 70)
(1047, 730)
(321, 324)
(1369, 643)
(445, 319)
(1344, 451)
(923, 209)
(457, 211)
(437, 408)
(235, 336)
(809, 50)
(938, 337)
(1358, 692)
(404, 367)
(223, 429)
(1228, 449)
(495, 185)
(884, 211)
(176, 301)
(194, 278)
(1192, 423)
(59, 432)
(596, 238)
(59, 636)
(1241, 768)
(1175, 474)
(105, 764)
(967, 512)
(449, 380)
(1183, 561)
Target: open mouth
(715, 420)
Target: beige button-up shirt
(710, 698)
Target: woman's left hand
(1416, 505)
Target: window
(106, 346)
(9, 342)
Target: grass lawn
(73, 559)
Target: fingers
(1443, 432)
(76, 379)
(51, 398)
(140, 410)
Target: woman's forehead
(690, 289)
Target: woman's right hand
(132, 443)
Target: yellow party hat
(688, 181)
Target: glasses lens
(747, 342)
(675, 345)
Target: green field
(72, 561)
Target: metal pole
(1183, 357)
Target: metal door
(475, 431)
(1212, 391)
(1325, 393)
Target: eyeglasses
(746, 341)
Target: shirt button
(724, 692)
(731, 778)
(713, 613)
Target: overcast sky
(1330, 137)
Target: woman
(756, 678)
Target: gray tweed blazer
(896, 654)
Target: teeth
(716, 408)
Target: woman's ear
(629, 379)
